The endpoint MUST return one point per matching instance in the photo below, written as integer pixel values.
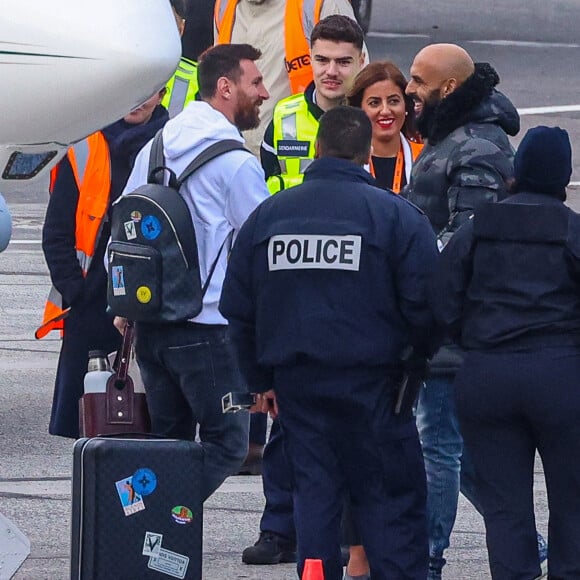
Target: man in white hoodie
(188, 367)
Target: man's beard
(425, 119)
(247, 116)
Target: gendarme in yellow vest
(295, 130)
(182, 87)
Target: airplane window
(26, 165)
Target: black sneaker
(270, 549)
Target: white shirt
(220, 196)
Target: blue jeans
(186, 370)
(442, 448)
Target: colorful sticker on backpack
(118, 281)
(144, 294)
(130, 230)
(150, 227)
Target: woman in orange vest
(379, 90)
(74, 237)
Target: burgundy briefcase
(120, 409)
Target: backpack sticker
(130, 230)
(118, 279)
(151, 227)
(136, 216)
(143, 294)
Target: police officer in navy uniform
(326, 288)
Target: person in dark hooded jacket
(508, 291)
(87, 325)
(465, 122)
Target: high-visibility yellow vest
(295, 129)
(299, 19)
(91, 166)
(182, 87)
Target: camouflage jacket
(468, 157)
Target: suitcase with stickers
(136, 509)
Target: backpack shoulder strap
(157, 168)
(156, 158)
(208, 154)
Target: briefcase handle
(123, 356)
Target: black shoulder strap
(156, 159)
(229, 238)
(208, 154)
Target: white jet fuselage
(71, 67)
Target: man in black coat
(466, 162)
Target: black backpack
(153, 259)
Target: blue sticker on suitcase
(144, 481)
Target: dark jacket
(510, 279)
(288, 302)
(468, 158)
(466, 162)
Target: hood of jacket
(197, 127)
(475, 101)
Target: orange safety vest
(300, 18)
(91, 166)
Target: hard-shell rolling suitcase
(136, 509)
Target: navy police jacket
(334, 271)
(510, 279)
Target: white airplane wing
(71, 67)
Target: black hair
(345, 132)
(338, 28)
(179, 7)
(222, 60)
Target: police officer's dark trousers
(509, 405)
(342, 437)
(278, 516)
